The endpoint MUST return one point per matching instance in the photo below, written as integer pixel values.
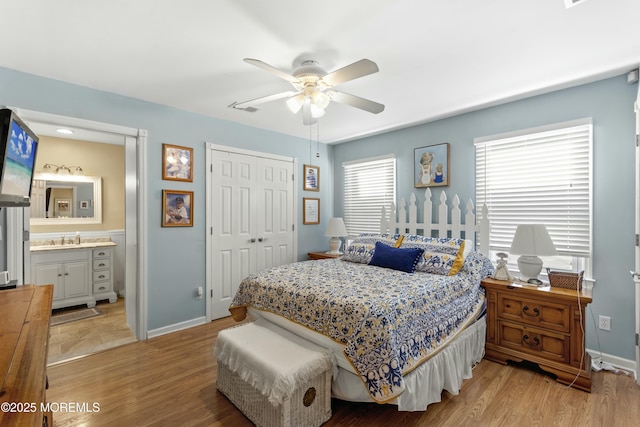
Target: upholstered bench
(273, 376)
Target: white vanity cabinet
(68, 271)
(80, 274)
(102, 274)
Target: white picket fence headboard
(448, 225)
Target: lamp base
(334, 246)
(530, 266)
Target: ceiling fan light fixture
(295, 103)
(316, 112)
(321, 99)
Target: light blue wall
(610, 103)
(176, 255)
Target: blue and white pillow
(444, 256)
(363, 247)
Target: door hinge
(637, 240)
(211, 168)
(293, 227)
(211, 291)
(293, 177)
(25, 235)
(637, 140)
(212, 231)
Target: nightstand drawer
(537, 342)
(534, 312)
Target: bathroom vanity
(80, 273)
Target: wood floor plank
(171, 380)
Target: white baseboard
(615, 361)
(176, 327)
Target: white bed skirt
(423, 386)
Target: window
(539, 175)
(369, 185)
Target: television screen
(19, 147)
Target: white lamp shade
(336, 228)
(532, 239)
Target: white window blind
(539, 176)
(369, 185)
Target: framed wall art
(431, 166)
(177, 208)
(177, 163)
(310, 210)
(311, 178)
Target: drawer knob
(536, 311)
(536, 341)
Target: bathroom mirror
(66, 199)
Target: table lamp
(530, 241)
(335, 230)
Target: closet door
(251, 217)
(275, 213)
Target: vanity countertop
(46, 245)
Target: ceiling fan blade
(264, 99)
(271, 69)
(307, 118)
(356, 101)
(361, 68)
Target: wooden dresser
(24, 336)
(541, 325)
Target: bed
(401, 314)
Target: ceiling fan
(313, 88)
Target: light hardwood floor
(171, 380)
(87, 336)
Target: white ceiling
(436, 58)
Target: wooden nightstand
(322, 255)
(541, 325)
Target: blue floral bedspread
(388, 320)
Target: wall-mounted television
(18, 149)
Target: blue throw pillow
(402, 259)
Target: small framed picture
(310, 210)
(431, 166)
(177, 208)
(311, 178)
(177, 163)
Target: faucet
(62, 240)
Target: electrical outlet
(604, 323)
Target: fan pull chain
(318, 141)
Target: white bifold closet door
(251, 207)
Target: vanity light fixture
(70, 170)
